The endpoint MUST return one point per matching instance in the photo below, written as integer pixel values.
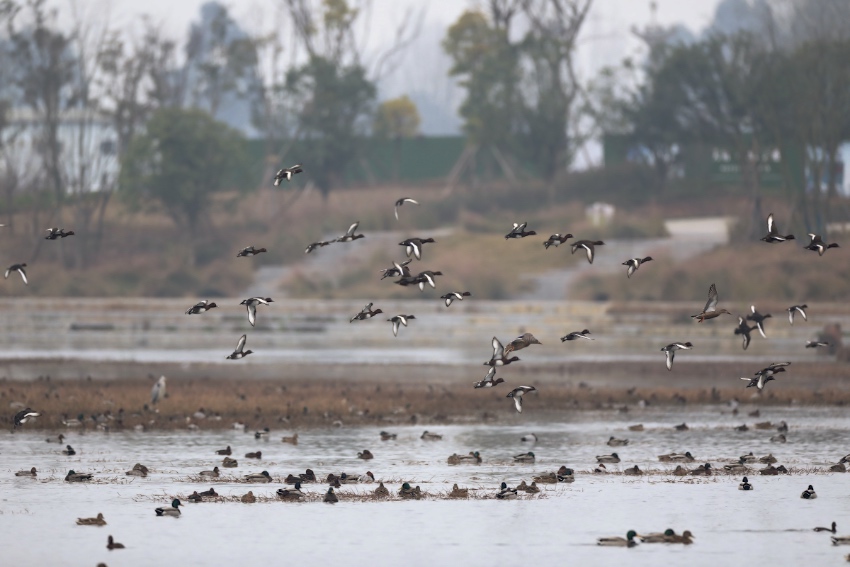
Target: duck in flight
(517, 394)
(744, 330)
(250, 251)
(489, 381)
(17, 268)
(286, 173)
(397, 269)
(349, 234)
(588, 246)
(201, 307)
(634, 264)
(794, 309)
(522, 341)
(816, 344)
(251, 305)
(24, 415)
(499, 358)
(670, 351)
(817, 244)
(758, 319)
(455, 295)
(312, 246)
(401, 202)
(240, 352)
(773, 233)
(365, 313)
(575, 335)
(54, 233)
(556, 240)
(518, 231)
(710, 310)
(413, 246)
(400, 320)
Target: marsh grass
(285, 407)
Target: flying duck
(401, 202)
(670, 351)
(809, 493)
(112, 544)
(588, 246)
(54, 233)
(172, 511)
(816, 344)
(24, 415)
(758, 319)
(634, 264)
(420, 279)
(349, 234)
(522, 341)
(517, 394)
(286, 173)
(710, 310)
(773, 233)
(17, 268)
(506, 493)
(158, 390)
(250, 251)
(822, 529)
(577, 335)
(99, 521)
(817, 244)
(239, 352)
(397, 269)
(499, 358)
(628, 541)
(744, 330)
(745, 485)
(686, 538)
(31, 472)
(312, 246)
(400, 320)
(365, 313)
(794, 309)
(201, 307)
(251, 305)
(455, 295)
(489, 381)
(413, 246)
(556, 240)
(518, 231)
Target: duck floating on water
(172, 510)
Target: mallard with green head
(524, 458)
(291, 494)
(628, 541)
(261, 477)
(172, 511)
(330, 497)
(506, 493)
(406, 491)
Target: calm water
(770, 525)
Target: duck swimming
(112, 544)
(291, 493)
(77, 477)
(173, 510)
(809, 493)
(99, 521)
(366, 454)
(524, 458)
(261, 477)
(614, 442)
(213, 473)
(612, 458)
(745, 485)
(831, 529)
(382, 492)
(32, 472)
(506, 493)
(628, 541)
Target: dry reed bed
(293, 404)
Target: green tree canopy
(397, 118)
(183, 158)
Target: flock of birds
(502, 355)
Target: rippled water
(770, 525)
